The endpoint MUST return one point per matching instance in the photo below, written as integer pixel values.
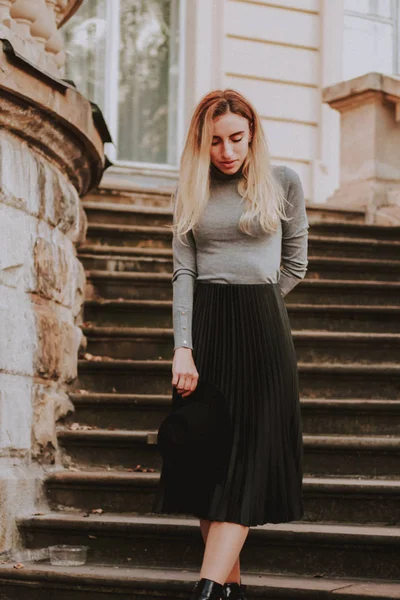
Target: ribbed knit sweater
(218, 251)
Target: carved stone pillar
(32, 27)
(51, 153)
(369, 108)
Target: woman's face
(230, 143)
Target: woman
(239, 246)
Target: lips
(229, 164)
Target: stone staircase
(345, 318)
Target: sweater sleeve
(183, 279)
(294, 236)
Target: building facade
(147, 63)
(144, 64)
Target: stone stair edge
(122, 252)
(322, 440)
(292, 307)
(139, 400)
(339, 533)
(130, 208)
(307, 282)
(389, 368)
(176, 581)
(352, 484)
(320, 334)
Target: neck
(218, 174)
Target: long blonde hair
(262, 193)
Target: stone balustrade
(33, 28)
(369, 108)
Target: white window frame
(111, 85)
(371, 16)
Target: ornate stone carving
(32, 26)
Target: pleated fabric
(242, 343)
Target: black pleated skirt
(242, 343)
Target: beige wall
(280, 54)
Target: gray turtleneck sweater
(218, 251)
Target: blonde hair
(262, 193)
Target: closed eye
(234, 141)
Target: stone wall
(41, 294)
(51, 154)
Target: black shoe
(234, 591)
(206, 589)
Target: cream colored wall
(279, 54)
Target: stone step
(311, 346)
(148, 233)
(329, 317)
(329, 213)
(329, 267)
(139, 236)
(119, 191)
(351, 292)
(325, 499)
(126, 214)
(341, 455)
(356, 230)
(319, 415)
(310, 549)
(319, 245)
(132, 411)
(339, 317)
(350, 417)
(40, 580)
(352, 247)
(158, 286)
(318, 266)
(379, 381)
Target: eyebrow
(232, 134)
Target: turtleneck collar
(218, 174)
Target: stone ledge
(57, 124)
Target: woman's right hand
(184, 372)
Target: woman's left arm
(294, 236)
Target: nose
(227, 151)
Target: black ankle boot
(234, 591)
(206, 589)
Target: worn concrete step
(310, 549)
(311, 346)
(129, 411)
(325, 498)
(158, 286)
(350, 292)
(131, 313)
(316, 380)
(318, 213)
(319, 415)
(92, 582)
(318, 266)
(117, 448)
(143, 236)
(126, 214)
(143, 263)
(119, 190)
(318, 245)
(356, 230)
(352, 247)
(149, 234)
(333, 267)
(342, 455)
(351, 416)
(328, 317)
(340, 317)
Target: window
(370, 37)
(124, 55)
